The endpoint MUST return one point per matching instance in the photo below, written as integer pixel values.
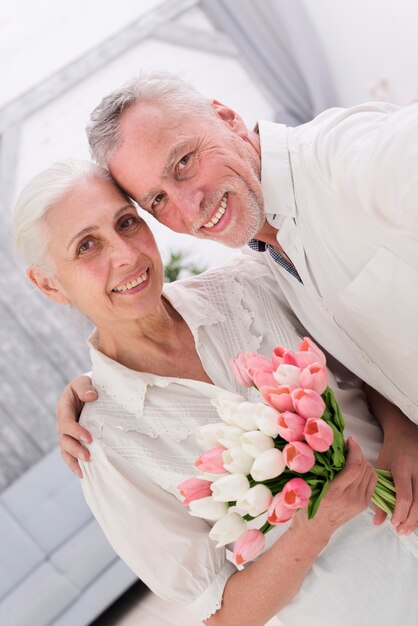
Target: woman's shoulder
(242, 269)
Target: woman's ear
(230, 118)
(47, 284)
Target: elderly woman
(158, 357)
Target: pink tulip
(318, 434)
(279, 512)
(246, 364)
(287, 375)
(277, 356)
(308, 403)
(194, 489)
(264, 378)
(307, 351)
(296, 493)
(278, 397)
(248, 546)
(314, 377)
(256, 362)
(240, 371)
(291, 426)
(211, 462)
(289, 358)
(298, 457)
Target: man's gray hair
(164, 89)
(29, 230)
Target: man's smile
(219, 213)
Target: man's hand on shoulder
(71, 434)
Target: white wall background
(367, 42)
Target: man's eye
(183, 162)
(157, 200)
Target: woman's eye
(85, 246)
(128, 222)
(183, 162)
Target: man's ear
(231, 118)
(47, 285)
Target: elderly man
(331, 205)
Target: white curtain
(282, 52)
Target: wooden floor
(139, 607)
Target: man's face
(197, 175)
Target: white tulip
(227, 405)
(228, 529)
(266, 420)
(237, 461)
(207, 435)
(256, 501)
(208, 508)
(245, 416)
(229, 436)
(288, 375)
(268, 465)
(254, 442)
(229, 488)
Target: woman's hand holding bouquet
(268, 460)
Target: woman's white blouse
(144, 445)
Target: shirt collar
(276, 175)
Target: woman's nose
(123, 252)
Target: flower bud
(227, 529)
(267, 465)
(298, 457)
(318, 434)
(248, 546)
(229, 488)
(256, 500)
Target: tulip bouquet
(272, 457)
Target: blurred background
(283, 60)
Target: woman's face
(106, 261)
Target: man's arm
(71, 434)
(399, 454)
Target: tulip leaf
(315, 501)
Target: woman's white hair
(30, 234)
(164, 89)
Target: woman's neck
(158, 344)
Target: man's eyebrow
(176, 152)
(173, 156)
(89, 229)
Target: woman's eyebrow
(85, 231)
(88, 229)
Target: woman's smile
(133, 285)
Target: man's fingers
(411, 523)
(68, 426)
(73, 448)
(379, 516)
(83, 388)
(72, 464)
(404, 496)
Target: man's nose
(187, 202)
